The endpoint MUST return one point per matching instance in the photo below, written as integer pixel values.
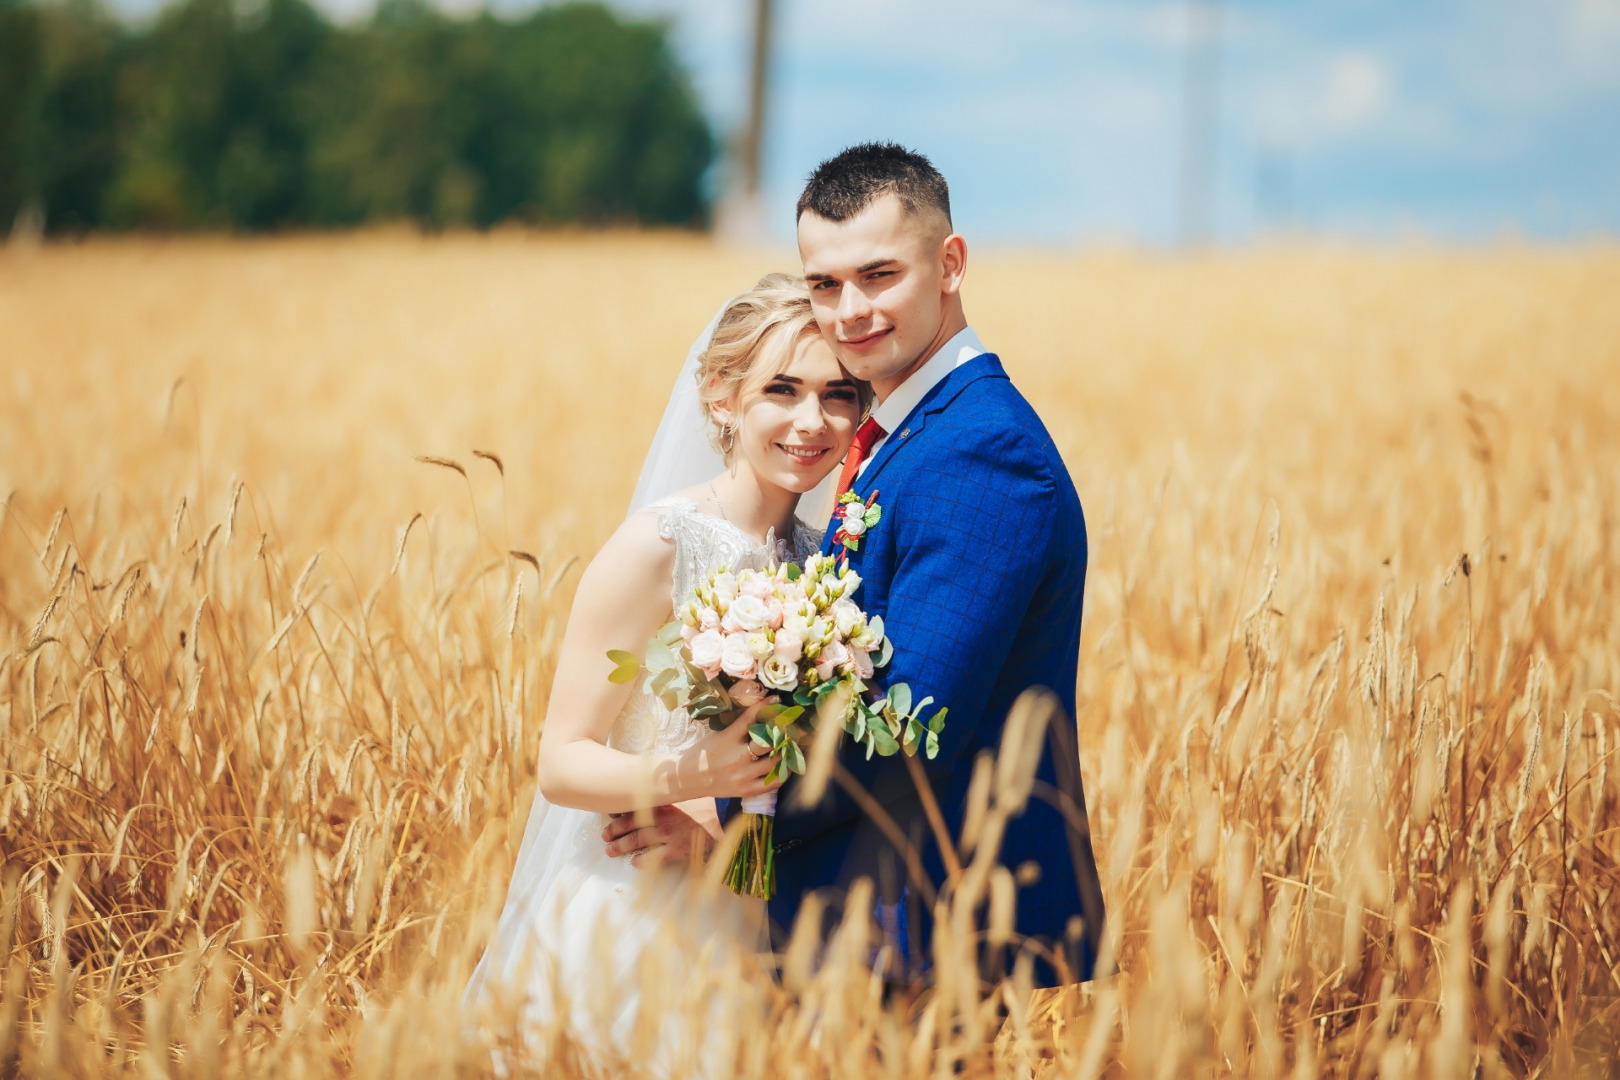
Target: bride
(763, 403)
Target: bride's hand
(726, 764)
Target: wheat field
(271, 686)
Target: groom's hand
(678, 832)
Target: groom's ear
(952, 263)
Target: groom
(977, 567)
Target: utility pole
(1200, 119)
(742, 217)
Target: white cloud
(1358, 88)
(1592, 31)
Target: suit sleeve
(972, 529)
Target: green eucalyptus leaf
(884, 654)
(626, 666)
(760, 735)
(670, 632)
(900, 699)
(659, 656)
(931, 745)
(788, 715)
(886, 746)
(793, 757)
(937, 724)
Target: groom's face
(880, 283)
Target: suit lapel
(947, 390)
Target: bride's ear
(722, 415)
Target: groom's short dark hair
(848, 182)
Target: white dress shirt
(893, 410)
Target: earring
(728, 438)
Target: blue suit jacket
(977, 568)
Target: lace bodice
(702, 544)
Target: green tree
(260, 114)
(21, 63)
(222, 130)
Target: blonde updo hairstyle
(752, 344)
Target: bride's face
(795, 429)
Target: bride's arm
(623, 598)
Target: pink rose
(746, 692)
(832, 655)
(789, 645)
(756, 585)
(735, 658)
(863, 662)
(773, 612)
(688, 633)
(708, 618)
(707, 650)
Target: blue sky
(1057, 121)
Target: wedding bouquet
(788, 636)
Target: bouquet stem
(753, 868)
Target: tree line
(263, 114)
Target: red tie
(868, 433)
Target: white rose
(759, 646)
(847, 617)
(706, 650)
(735, 659)
(725, 587)
(749, 613)
(855, 525)
(779, 674)
(753, 583)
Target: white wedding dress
(582, 936)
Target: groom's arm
(973, 526)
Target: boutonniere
(855, 516)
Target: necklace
(718, 505)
